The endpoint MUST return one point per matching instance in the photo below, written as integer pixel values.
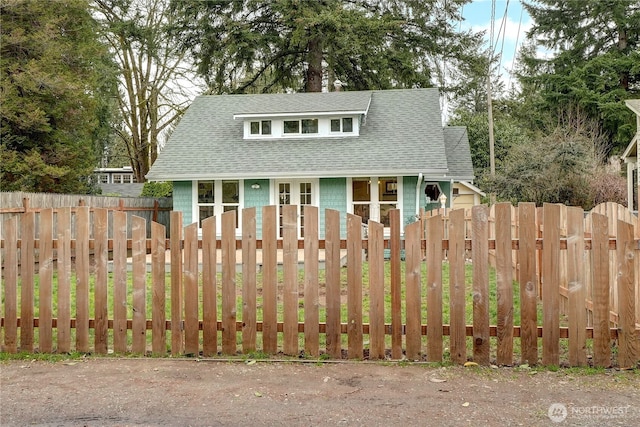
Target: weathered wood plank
(269, 280)
(290, 274)
(551, 285)
(191, 294)
(209, 288)
(435, 236)
(177, 335)
(311, 303)
(396, 284)
(82, 279)
(577, 287)
(45, 260)
(229, 345)
(527, 258)
(457, 287)
(480, 258)
(600, 273)
(413, 281)
(504, 284)
(628, 344)
(354, 287)
(158, 300)
(64, 280)
(120, 282)
(249, 314)
(139, 258)
(101, 256)
(376, 290)
(10, 230)
(332, 271)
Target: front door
(299, 192)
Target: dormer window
(294, 126)
(261, 128)
(342, 125)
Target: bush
(157, 189)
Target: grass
(322, 308)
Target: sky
(477, 16)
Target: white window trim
(374, 202)
(218, 207)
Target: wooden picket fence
(203, 291)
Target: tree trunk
(622, 47)
(314, 69)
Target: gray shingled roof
(458, 153)
(402, 135)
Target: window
(347, 124)
(104, 178)
(310, 126)
(342, 125)
(432, 193)
(292, 126)
(261, 128)
(374, 197)
(217, 197)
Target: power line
(515, 50)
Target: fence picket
(290, 274)
(64, 280)
(10, 230)
(139, 257)
(120, 282)
(209, 288)
(480, 258)
(504, 284)
(600, 273)
(628, 350)
(376, 290)
(101, 256)
(249, 315)
(177, 335)
(354, 287)
(269, 281)
(396, 285)
(158, 302)
(457, 287)
(551, 285)
(311, 305)
(229, 283)
(413, 281)
(332, 274)
(527, 258)
(45, 259)
(577, 287)
(82, 279)
(435, 235)
(191, 323)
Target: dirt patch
(167, 392)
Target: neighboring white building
(630, 157)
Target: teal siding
(333, 195)
(409, 199)
(445, 187)
(182, 200)
(256, 198)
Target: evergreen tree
(594, 62)
(304, 45)
(55, 115)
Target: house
(362, 152)
(630, 157)
(120, 181)
(466, 195)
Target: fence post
(480, 258)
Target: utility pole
(492, 157)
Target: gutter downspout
(418, 186)
(451, 195)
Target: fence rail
(534, 266)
